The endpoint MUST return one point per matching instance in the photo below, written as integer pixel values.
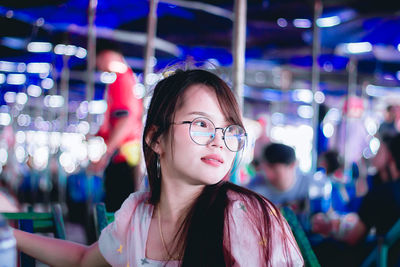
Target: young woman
(192, 216)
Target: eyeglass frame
(215, 132)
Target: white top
(123, 242)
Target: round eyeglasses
(202, 132)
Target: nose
(218, 140)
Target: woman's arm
(57, 252)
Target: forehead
(276, 165)
(200, 98)
(197, 90)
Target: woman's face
(184, 160)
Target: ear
(156, 146)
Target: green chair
(101, 217)
(38, 222)
(310, 259)
(379, 255)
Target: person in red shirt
(121, 130)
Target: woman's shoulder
(140, 196)
(133, 201)
(133, 215)
(246, 205)
(237, 194)
(247, 229)
(134, 206)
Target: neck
(176, 198)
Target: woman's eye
(201, 123)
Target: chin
(215, 180)
(204, 178)
(208, 180)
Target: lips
(213, 160)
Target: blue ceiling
(202, 36)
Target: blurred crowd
(344, 207)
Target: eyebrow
(199, 113)
(204, 114)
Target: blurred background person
(344, 195)
(384, 172)
(279, 179)
(332, 163)
(379, 210)
(121, 128)
(388, 125)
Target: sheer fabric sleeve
(113, 241)
(246, 244)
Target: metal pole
(91, 56)
(62, 178)
(351, 92)
(315, 77)
(64, 92)
(239, 49)
(149, 49)
(91, 65)
(352, 68)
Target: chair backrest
(101, 217)
(379, 254)
(310, 259)
(38, 222)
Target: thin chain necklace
(162, 237)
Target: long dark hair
(203, 238)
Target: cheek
(179, 141)
(230, 162)
(182, 137)
(268, 172)
(286, 173)
(230, 159)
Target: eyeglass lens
(202, 132)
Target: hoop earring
(158, 167)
